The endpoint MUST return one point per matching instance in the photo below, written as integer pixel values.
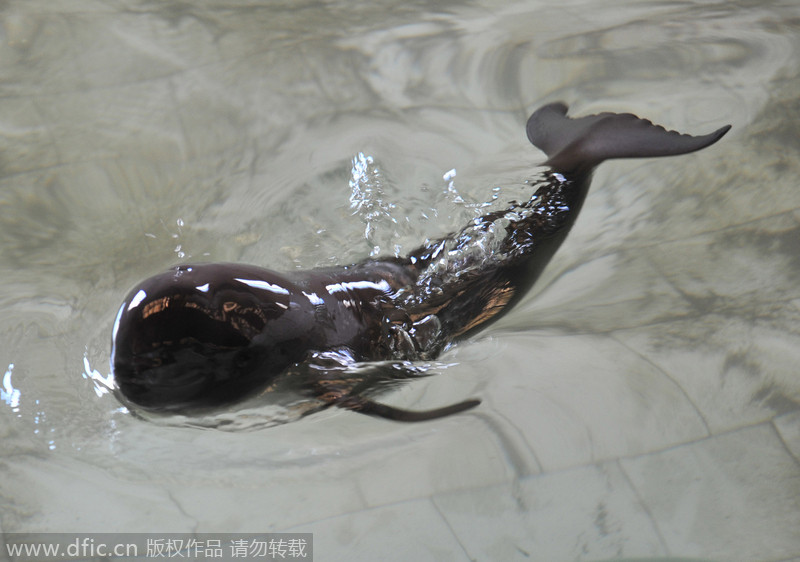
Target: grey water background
(643, 401)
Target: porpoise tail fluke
(578, 145)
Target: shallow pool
(642, 402)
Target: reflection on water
(642, 402)
(102, 384)
(13, 398)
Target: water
(641, 402)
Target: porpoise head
(206, 335)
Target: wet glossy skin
(203, 336)
(207, 334)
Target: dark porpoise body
(202, 336)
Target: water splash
(9, 394)
(450, 177)
(176, 235)
(367, 199)
(387, 226)
(482, 243)
(179, 248)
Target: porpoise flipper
(578, 145)
(338, 381)
(372, 408)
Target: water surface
(643, 401)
